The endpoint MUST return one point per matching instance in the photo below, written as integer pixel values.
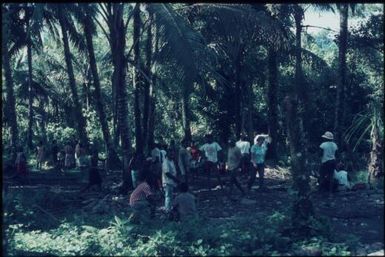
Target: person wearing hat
(258, 153)
(234, 157)
(328, 162)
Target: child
(184, 160)
(21, 163)
(342, 179)
(328, 162)
(169, 179)
(39, 155)
(234, 156)
(184, 205)
(94, 177)
(258, 152)
(69, 161)
(244, 146)
(211, 149)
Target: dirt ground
(352, 213)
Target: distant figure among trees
(21, 163)
(69, 161)
(328, 165)
(40, 152)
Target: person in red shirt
(195, 159)
(142, 198)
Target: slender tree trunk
(376, 156)
(302, 209)
(186, 109)
(80, 120)
(341, 80)
(151, 118)
(118, 43)
(272, 101)
(137, 81)
(238, 94)
(30, 96)
(113, 159)
(147, 84)
(11, 103)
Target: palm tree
(7, 12)
(61, 13)
(85, 14)
(112, 13)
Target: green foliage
(61, 134)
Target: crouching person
(341, 178)
(184, 205)
(142, 199)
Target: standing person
(234, 157)
(244, 146)
(156, 159)
(134, 166)
(184, 160)
(328, 162)
(77, 153)
(169, 179)
(94, 177)
(194, 160)
(40, 151)
(211, 149)
(258, 152)
(21, 163)
(69, 160)
(54, 152)
(61, 158)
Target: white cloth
(342, 178)
(329, 150)
(211, 151)
(168, 166)
(244, 146)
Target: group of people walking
(168, 168)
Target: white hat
(328, 135)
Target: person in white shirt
(341, 178)
(244, 146)
(169, 179)
(328, 164)
(258, 153)
(211, 149)
(184, 160)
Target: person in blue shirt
(258, 152)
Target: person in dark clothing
(94, 177)
(54, 152)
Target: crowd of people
(167, 168)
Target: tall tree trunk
(151, 118)
(30, 95)
(137, 81)
(186, 108)
(113, 159)
(77, 110)
(147, 84)
(118, 43)
(299, 78)
(341, 80)
(238, 94)
(11, 103)
(272, 101)
(302, 208)
(376, 156)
